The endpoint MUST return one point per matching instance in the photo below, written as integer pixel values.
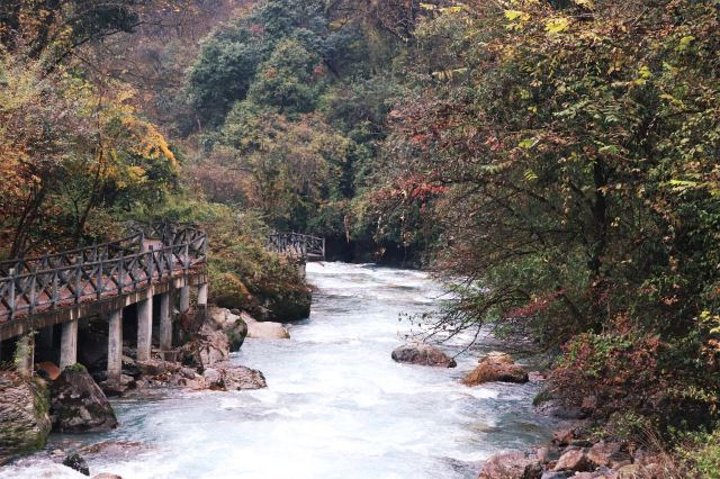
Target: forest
(562, 158)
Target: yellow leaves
(684, 43)
(589, 4)
(449, 74)
(434, 8)
(644, 74)
(557, 25)
(516, 19)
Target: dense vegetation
(562, 157)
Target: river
(337, 406)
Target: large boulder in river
(496, 367)
(424, 355)
(24, 419)
(78, 405)
(231, 377)
(206, 348)
(264, 330)
(232, 324)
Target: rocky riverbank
(576, 449)
(75, 400)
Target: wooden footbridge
(296, 245)
(157, 263)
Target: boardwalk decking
(36, 292)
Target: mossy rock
(24, 415)
(237, 334)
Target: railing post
(12, 303)
(149, 266)
(54, 289)
(78, 280)
(32, 296)
(121, 274)
(100, 287)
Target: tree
(74, 149)
(578, 151)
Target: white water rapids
(337, 406)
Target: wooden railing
(298, 245)
(31, 286)
(128, 245)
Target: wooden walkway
(31, 288)
(295, 245)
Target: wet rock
(547, 454)
(608, 454)
(423, 355)
(232, 324)
(260, 330)
(214, 379)
(206, 348)
(76, 461)
(24, 419)
(555, 408)
(573, 460)
(116, 450)
(496, 367)
(508, 465)
(557, 475)
(240, 378)
(563, 437)
(78, 405)
(230, 377)
(632, 471)
(589, 404)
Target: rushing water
(337, 406)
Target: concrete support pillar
(202, 300)
(144, 338)
(68, 345)
(115, 344)
(184, 299)
(25, 355)
(165, 323)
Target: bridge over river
(157, 265)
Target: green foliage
(575, 178)
(223, 72)
(700, 454)
(242, 274)
(288, 81)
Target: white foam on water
(337, 406)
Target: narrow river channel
(337, 406)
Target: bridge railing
(94, 277)
(297, 245)
(127, 245)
